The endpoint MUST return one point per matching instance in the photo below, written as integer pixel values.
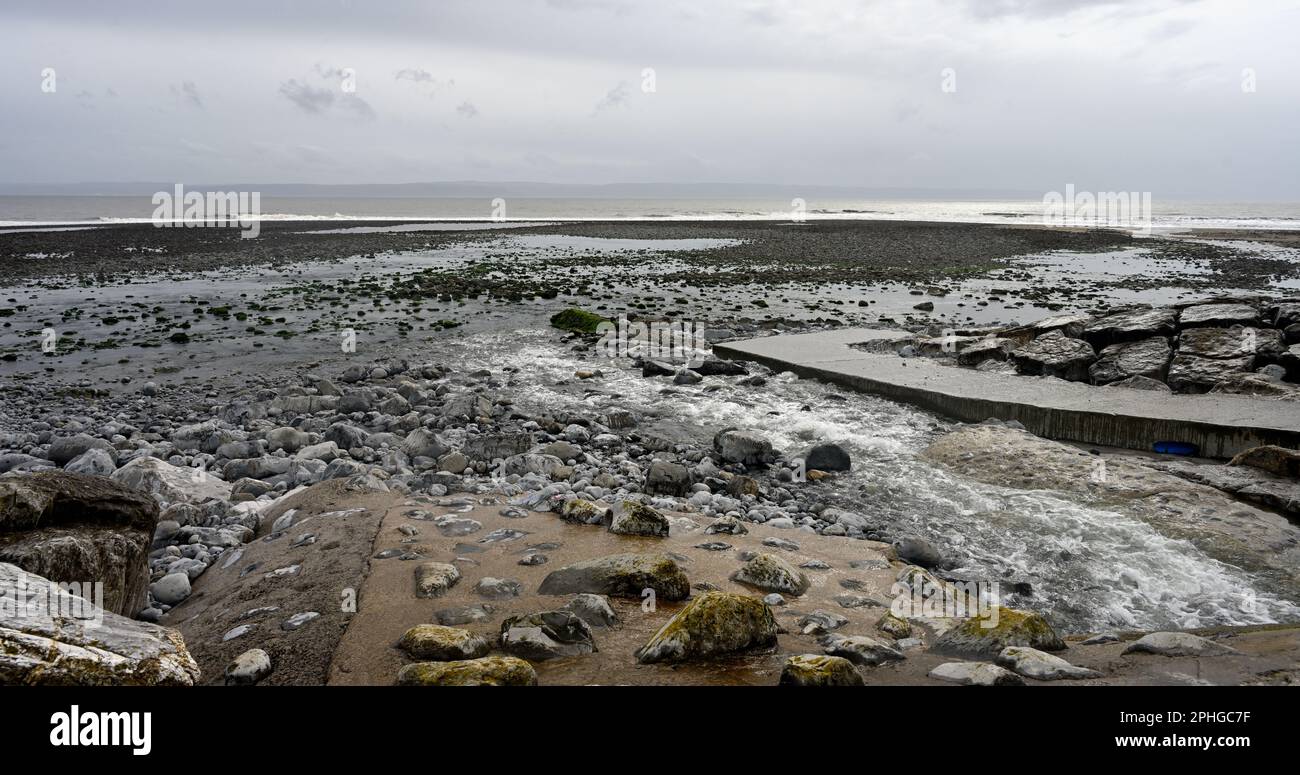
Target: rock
(1131, 325)
(171, 589)
(592, 609)
(1002, 627)
(1177, 644)
(820, 622)
(464, 615)
(498, 446)
(1141, 383)
(620, 575)
(861, 650)
(976, 674)
(1142, 358)
(1191, 374)
(773, 599)
(563, 450)
(422, 442)
(713, 624)
(583, 512)
(1032, 663)
(919, 551)
(1055, 355)
(92, 462)
(65, 449)
(1278, 461)
(546, 635)
(433, 642)
(170, 484)
(827, 457)
(727, 525)
(1230, 343)
(497, 589)
(40, 644)
(433, 579)
(466, 406)
(287, 439)
(989, 348)
(893, 626)
(637, 519)
(771, 574)
(687, 377)
(484, 671)
(819, 670)
(299, 620)
(737, 446)
(716, 367)
(1218, 315)
(248, 668)
(665, 478)
(68, 527)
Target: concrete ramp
(1220, 425)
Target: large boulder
(484, 671)
(620, 575)
(433, 579)
(546, 635)
(78, 528)
(1178, 644)
(1218, 315)
(1279, 461)
(1230, 343)
(170, 484)
(1055, 355)
(423, 442)
(1131, 325)
(737, 446)
(771, 574)
(59, 639)
(713, 624)
(1032, 663)
(1143, 358)
(1193, 374)
(989, 634)
(65, 449)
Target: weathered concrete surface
(1220, 425)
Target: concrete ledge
(1220, 425)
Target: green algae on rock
(437, 643)
(713, 623)
(577, 320)
(484, 671)
(819, 670)
(989, 634)
(772, 574)
(637, 519)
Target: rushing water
(1090, 569)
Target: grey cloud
(188, 94)
(310, 98)
(467, 109)
(615, 97)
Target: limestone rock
(248, 668)
(170, 484)
(59, 639)
(1178, 644)
(1032, 663)
(976, 674)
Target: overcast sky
(1143, 95)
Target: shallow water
(1090, 569)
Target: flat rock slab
(1220, 425)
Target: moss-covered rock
(988, 635)
(620, 575)
(442, 644)
(819, 670)
(433, 579)
(771, 574)
(484, 671)
(637, 519)
(893, 626)
(583, 512)
(713, 623)
(577, 320)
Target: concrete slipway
(1220, 425)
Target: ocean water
(20, 211)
